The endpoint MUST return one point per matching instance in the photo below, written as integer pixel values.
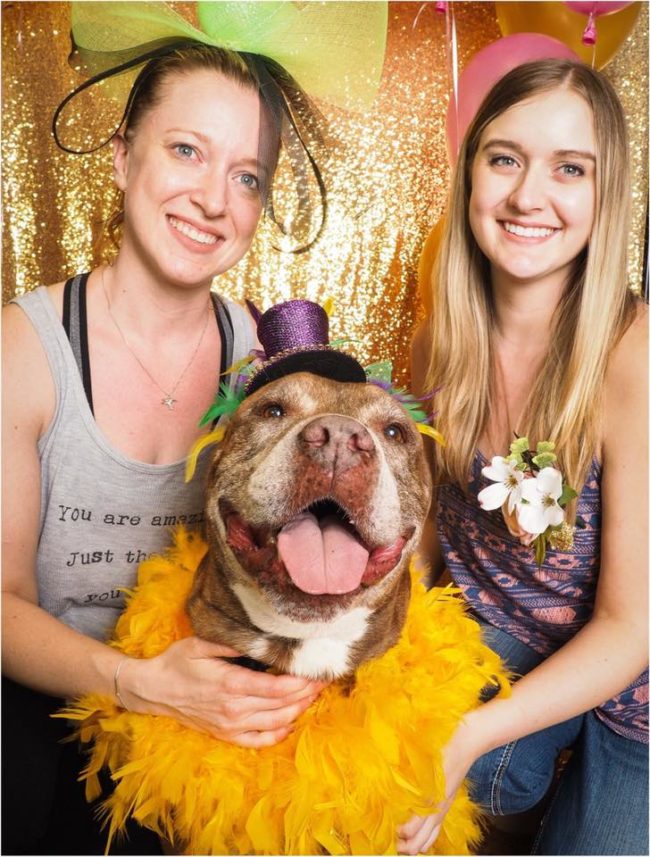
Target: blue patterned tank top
(541, 607)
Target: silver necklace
(168, 399)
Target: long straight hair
(564, 403)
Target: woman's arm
(611, 650)
(190, 681)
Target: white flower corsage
(532, 495)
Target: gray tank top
(101, 512)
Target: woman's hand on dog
(421, 831)
(191, 682)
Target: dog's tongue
(321, 556)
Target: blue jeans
(601, 804)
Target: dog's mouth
(320, 549)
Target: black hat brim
(326, 363)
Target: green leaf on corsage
(519, 446)
(540, 549)
(544, 459)
(517, 460)
(568, 494)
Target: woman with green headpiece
(108, 374)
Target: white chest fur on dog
(324, 646)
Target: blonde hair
(564, 403)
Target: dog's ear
(214, 463)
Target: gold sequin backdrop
(387, 184)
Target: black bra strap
(66, 307)
(226, 333)
(75, 324)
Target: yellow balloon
(557, 20)
(425, 265)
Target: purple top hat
(295, 338)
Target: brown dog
(315, 502)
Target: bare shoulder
(627, 370)
(625, 403)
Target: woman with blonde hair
(535, 338)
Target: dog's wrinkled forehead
(302, 393)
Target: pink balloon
(602, 8)
(490, 65)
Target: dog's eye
(395, 432)
(273, 409)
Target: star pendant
(168, 401)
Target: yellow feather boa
(355, 767)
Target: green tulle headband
(293, 51)
(334, 50)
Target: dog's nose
(336, 439)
